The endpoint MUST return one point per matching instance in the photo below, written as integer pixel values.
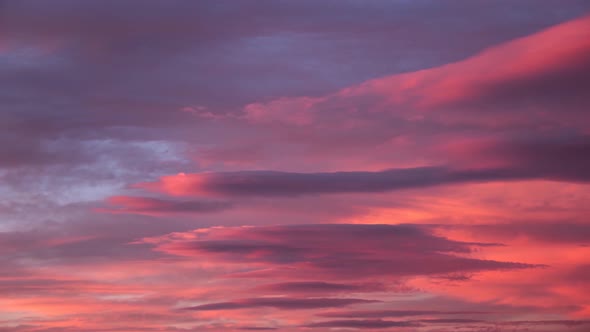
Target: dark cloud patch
(392, 313)
(323, 287)
(568, 323)
(451, 321)
(270, 183)
(479, 324)
(560, 159)
(565, 232)
(134, 204)
(362, 324)
(280, 303)
(327, 250)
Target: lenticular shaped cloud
(561, 159)
(147, 205)
(347, 251)
(279, 303)
(362, 324)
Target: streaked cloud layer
(418, 166)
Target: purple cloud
(325, 250)
(280, 303)
(362, 324)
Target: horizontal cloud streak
(562, 160)
(134, 204)
(391, 313)
(324, 250)
(279, 303)
(323, 287)
(362, 324)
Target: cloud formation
(362, 324)
(134, 204)
(294, 166)
(561, 160)
(323, 250)
(279, 303)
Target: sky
(310, 165)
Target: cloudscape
(269, 165)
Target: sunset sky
(301, 165)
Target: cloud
(451, 321)
(325, 251)
(514, 76)
(560, 158)
(57, 63)
(548, 322)
(391, 313)
(273, 183)
(502, 86)
(134, 204)
(312, 287)
(477, 324)
(505, 92)
(54, 50)
(565, 232)
(96, 96)
(280, 303)
(362, 324)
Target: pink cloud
(149, 205)
(321, 250)
(442, 185)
